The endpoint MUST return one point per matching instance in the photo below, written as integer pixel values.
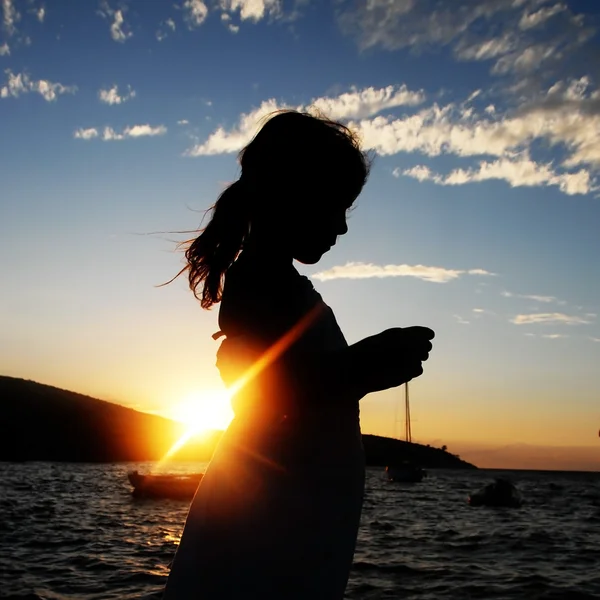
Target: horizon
(494, 457)
(479, 220)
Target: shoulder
(258, 296)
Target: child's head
(300, 175)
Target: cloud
(518, 172)
(487, 49)
(367, 102)
(183, 122)
(540, 298)
(554, 336)
(21, 83)
(594, 339)
(359, 270)
(567, 115)
(10, 16)
(461, 321)
(482, 30)
(86, 134)
(535, 298)
(195, 13)
(164, 29)
(109, 134)
(40, 13)
(350, 105)
(252, 10)
(226, 20)
(4, 49)
(533, 19)
(111, 95)
(118, 28)
(549, 318)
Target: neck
(268, 247)
(267, 250)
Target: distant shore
(44, 423)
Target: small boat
(405, 473)
(178, 487)
(499, 493)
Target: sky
(120, 123)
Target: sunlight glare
(204, 411)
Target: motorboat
(178, 487)
(501, 492)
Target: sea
(74, 531)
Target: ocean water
(73, 531)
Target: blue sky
(480, 219)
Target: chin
(309, 258)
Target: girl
(276, 515)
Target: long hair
(288, 144)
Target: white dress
(277, 513)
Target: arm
(276, 322)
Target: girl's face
(315, 230)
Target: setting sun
(204, 411)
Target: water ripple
(74, 532)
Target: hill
(41, 422)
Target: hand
(393, 357)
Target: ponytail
(216, 248)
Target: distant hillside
(41, 422)
(382, 451)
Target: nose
(342, 226)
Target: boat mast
(407, 429)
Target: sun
(203, 411)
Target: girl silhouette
(276, 515)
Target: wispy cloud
(567, 115)
(164, 29)
(40, 13)
(21, 83)
(518, 172)
(119, 30)
(183, 122)
(359, 270)
(549, 318)
(554, 336)
(461, 320)
(594, 339)
(226, 20)
(534, 297)
(112, 96)
(482, 31)
(86, 134)
(537, 17)
(349, 105)
(109, 134)
(10, 16)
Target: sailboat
(405, 471)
